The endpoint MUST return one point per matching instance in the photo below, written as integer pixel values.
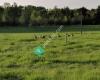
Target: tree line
(14, 15)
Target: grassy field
(76, 59)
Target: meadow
(76, 57)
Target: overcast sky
(59, 3)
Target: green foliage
(14, 15)
(35, 18)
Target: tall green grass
(78, 59)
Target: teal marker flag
(39, 51)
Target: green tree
(35, 18)
(25, 15)
(98, 15)
(1, 14)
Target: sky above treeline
(59, 3)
